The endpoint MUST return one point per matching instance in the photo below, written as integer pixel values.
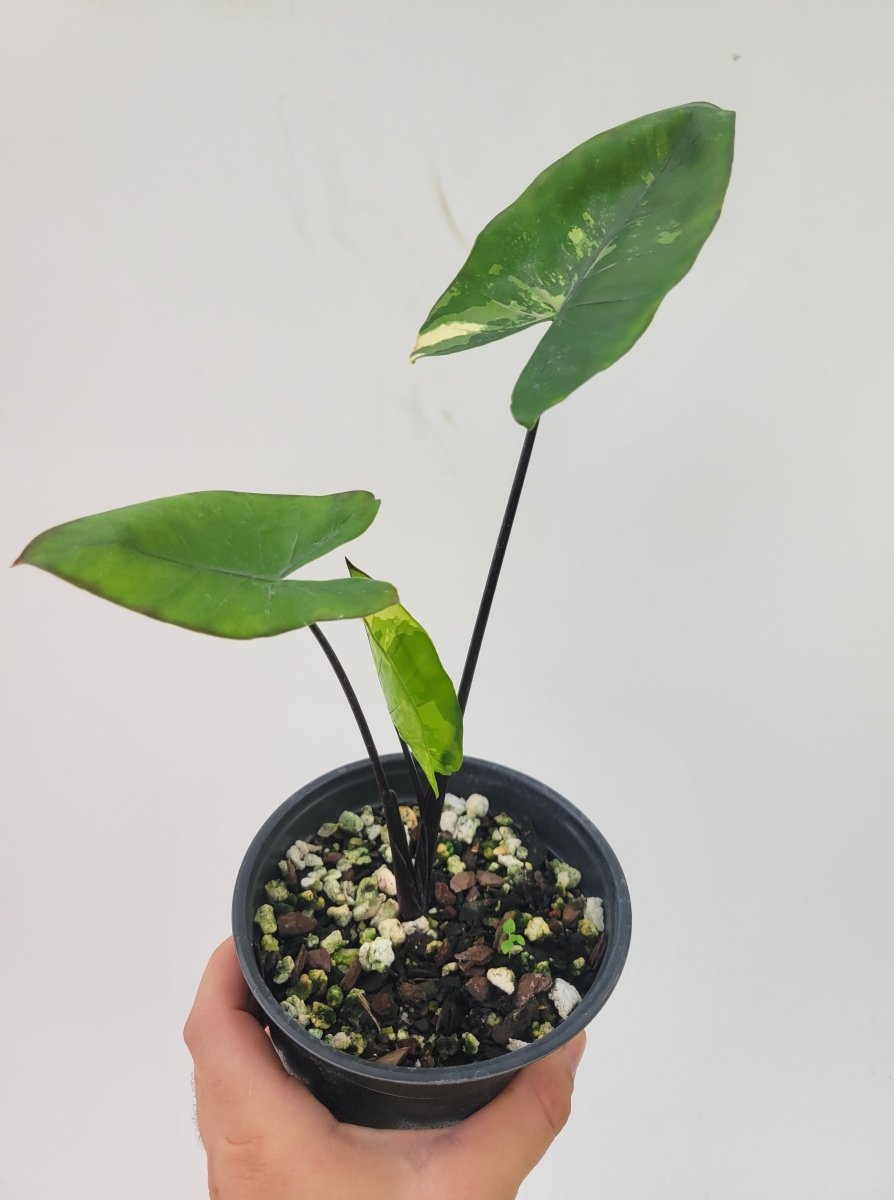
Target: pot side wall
(358, 1091)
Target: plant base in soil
(503, 955)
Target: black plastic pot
(411, 1097)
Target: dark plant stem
(410, 898)
(409, 894)
(430, 807)
(362, 723)
(420, 785)
(496, 564)
(429, 822)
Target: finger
(241, 1086)
(515, 1130)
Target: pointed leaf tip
(217, 562)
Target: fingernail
(574, 1051)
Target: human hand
(267, 1138)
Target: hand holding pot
(267, 1138)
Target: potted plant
(411, 947)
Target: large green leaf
(592, 246)
(419, 693)
(217, 561)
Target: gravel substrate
(503, 955)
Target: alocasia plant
(590, 249)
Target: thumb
(241, 1086)
(514, 1131)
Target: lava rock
(350, 977)
(412, 994)
(394, 1057)
(478, 987)
(462, 882)
(517, 1024)
(384, 1006)
(320, 959)
(533, 984)
(294, 924)
(475, 956)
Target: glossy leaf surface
(592, 246)
(217, 562)
(420, 695)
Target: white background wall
(222, 223)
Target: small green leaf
(592, 246)
(217, 562)
(419, 693)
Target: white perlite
(509, 843)
(340, 915)
(296, 1008)
(477, 806)
(408, 817)
(387, 912)
(593, 912)
(420, 925)
(504, 979)
(392, 929)
(536, 929)
(509, 861)
(367, 908)
(298, 852)
(466, 828)
(449, 817)
(455, 804)
(566, 876)
(385, 882)
(377, 955)
(333, 888)
(565, 996)
(516, 1044)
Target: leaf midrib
(619, 228)
(406, 691)
(176, 562)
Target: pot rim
(618, 934)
